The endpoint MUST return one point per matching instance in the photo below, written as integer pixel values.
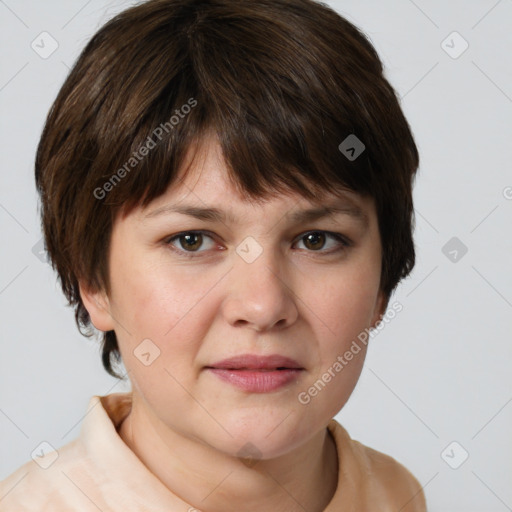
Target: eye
(190, 241)
(315, 241)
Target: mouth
(257, 374)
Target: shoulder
(381, 478)
(71, 477)
(393, 479)
(46, 480)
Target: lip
(257, 374)
(255, 362)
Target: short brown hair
(280, 82)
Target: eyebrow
(298, 217)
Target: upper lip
(256, 362)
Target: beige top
(98, 471)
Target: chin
(263, 434)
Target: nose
(260, 294)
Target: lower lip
(257, 381)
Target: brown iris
(314, 241)
(192, 241)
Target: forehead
(204, 181)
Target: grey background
(438, 373)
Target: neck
(203, 477)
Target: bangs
(278, 120)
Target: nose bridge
(259, 295)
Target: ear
(381, 305)
(98, 307)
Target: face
(227, 311)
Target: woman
(226, 192)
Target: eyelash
(343, 240)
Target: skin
(299, 299)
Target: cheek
(345, 305)
(170, 307)
(172, 311)
(347, 308)
(143, 299)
